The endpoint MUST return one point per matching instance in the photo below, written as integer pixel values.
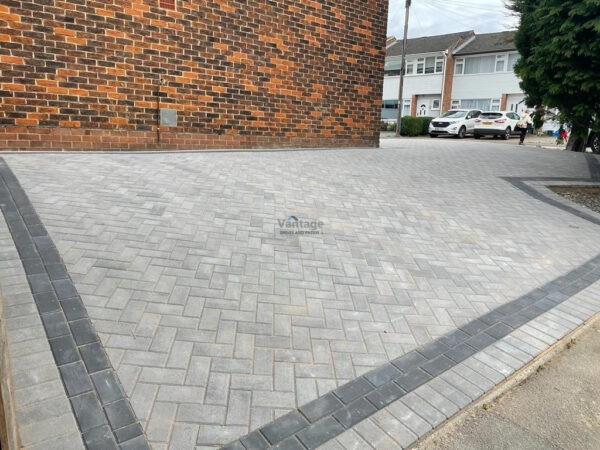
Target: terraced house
(177, 74)
(459, 70)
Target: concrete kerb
(508, 384)
(9, 437)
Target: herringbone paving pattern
(217, 323)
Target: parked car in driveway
(496, 123)
(456, 122)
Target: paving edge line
(9, 436)
(512, 381)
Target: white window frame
(501, 59)
(433, 102)
(421, 63)
(511, 69)
(406, 103)
(439, 60)
(455, 104)
(459, 62)
(413, 66)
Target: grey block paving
(42, 411)
(193, 291)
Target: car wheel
(506, 135)
(595, 143)
(477, 136)
(433, 136)
(462, 133)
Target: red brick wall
(87, 74)
(504, 102)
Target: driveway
(218, 318)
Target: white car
(497, 124)
(456, 122)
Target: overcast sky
(431, 17)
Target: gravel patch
(586, 196)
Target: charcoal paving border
(100, 406)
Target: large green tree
(559, 43)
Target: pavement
(557, 408)
(544, 141)
(218, 321)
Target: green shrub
(384, 126)
(415, 126)
(392, 126)
(425, 125)
(411, 126)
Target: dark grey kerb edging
(101, 408)
(328, 416)
(521, 183)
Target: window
(490, 116)
(406, 108)
(390, 104)
(512, 60)
(500, 63)
(420, 65)
(454, 114)
(495, 104)
(480, 64)
(392, 73)
(482, 104)
(455, 104)
(458, 67)
(430, 64)
(167, 4)
(439, 65)
(410, 69)
(435, 104)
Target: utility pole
(402, 70)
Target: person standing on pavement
(524, 124)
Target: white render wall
(413, 85)
(485, 85)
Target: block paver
(217, 324)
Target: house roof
(489, 43)
(427, 44)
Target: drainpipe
(158, 92)
(444, 80)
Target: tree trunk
(577, 139)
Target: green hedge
(415, 126)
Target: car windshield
(454, 114)
(490, 116)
